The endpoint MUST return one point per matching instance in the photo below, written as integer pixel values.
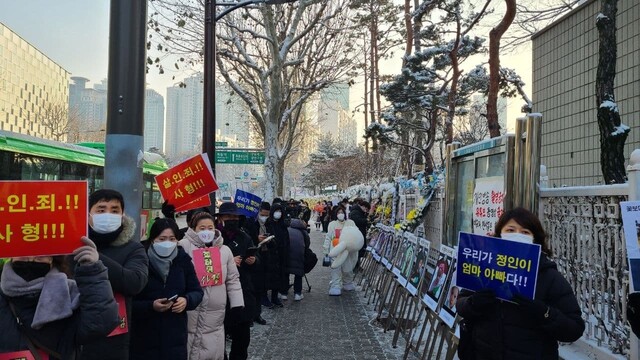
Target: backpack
(310, 260)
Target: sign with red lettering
(187, 181)
(203, 201)
(42, 217)
(488, 204)
(208, 266)
(23, 355)
(123, 326)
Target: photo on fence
(409, 257)
(448, 310)
(374, 236)
(419, 265)
(439, 277)
(399, 259)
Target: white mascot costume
(345, 258)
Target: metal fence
(584, 227)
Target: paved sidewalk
(321, 326)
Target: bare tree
(495, 35)
(274, 57)
(55, 118)
(613, 133)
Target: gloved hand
(86, 254)
(633, 312)
(168, 210)
(235, 312)
(535, 309)
(483, 300)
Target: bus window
(10, 166)
(74, 171)
(35, 168)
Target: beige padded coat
(206, 322)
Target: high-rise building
(89, 105)
(30, 82)
(153, 120)
(334, 116)
(184, 118)
(233, 119)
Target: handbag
(326, 261)
(310, 260)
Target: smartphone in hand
(172, 299)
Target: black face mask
(30, 270)
(231, 224)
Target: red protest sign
(203, 201)
(42, 217)
(208, 266)
(187, 181)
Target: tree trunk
(280, 177)
(453, 92)
(366, 93)
(409, 29)
(494, 67)
(613, 133)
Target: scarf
(102, 240)
(58, 295)
(161, 264)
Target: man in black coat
(126, 261)
(256, 229)
(277, 226)
(238, 320)
(360, 215)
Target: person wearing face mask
(341, 277)
(56, 315)
(238, 320)
(266, 269)
(160, 310)
(277, 227)
(114, 235)
(206, 322)
(524, 329)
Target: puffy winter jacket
(163, 335)
(506, 332)
(206, 322)
(96, 316)
(128, 265)
(298, 241)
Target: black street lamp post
(209, 111)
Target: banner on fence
(631, 227)
(248, 203)
(419, 265)
(488, 199)
(434, 289)
(187, 181)
(508, 267)
(42, 217)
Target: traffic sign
(240, 156)
(222, 144)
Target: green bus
(24, 157)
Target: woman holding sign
(219, 278)
(160, 310)
(526, 329)
(55, 315)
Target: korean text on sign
(187, 181)
(248, 203)
(42, 217)
(507, 267)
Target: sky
(75, 34)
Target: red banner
(208, 266)
(42, 217)
(23, 355)
(203, 201)
(187, 181)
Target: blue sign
(508, 267)
(247, 203)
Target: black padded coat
(507, 332)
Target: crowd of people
(116, 298)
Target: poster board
(434, 290)
(419, 266)
(631, 227)
(488, 199)
(448, 309)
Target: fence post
(633, 174)
(532, 156)
(519, 163)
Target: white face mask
(341, 217)
(263, 219)
(206, 236)
(106, 222)
(521, 238)
(164, 248)
(277, 215)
